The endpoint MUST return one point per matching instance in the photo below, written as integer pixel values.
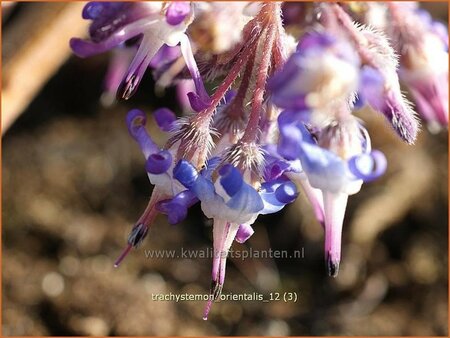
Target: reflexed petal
(277, 194)
(325, 170)
(177, 12)
(158, 163)
(165, 118)
(245, 204)
(185, 173)
(286, 192)
(85, 48)
(199, 100)
(368, 166)
(176, 207)
(136, 126)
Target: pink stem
(226, 84)
(251, 131)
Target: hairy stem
(258, 97)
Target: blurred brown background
(74, 183)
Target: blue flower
(334, 163)
(234, 205)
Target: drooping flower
(331, 164)
(233, 204)
(154, 25)
(322, 147)
(158, 163)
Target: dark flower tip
(332, 267)
(81, 48)
(128, 87)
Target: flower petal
(165, 118)
(244, 232)
(368, 166)
(136, 126)
(159, 162)
(177, 12)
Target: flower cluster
(282, 118)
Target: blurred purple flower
(423, 47)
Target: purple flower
(177, 11)
(158, 165)
(155, 25)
